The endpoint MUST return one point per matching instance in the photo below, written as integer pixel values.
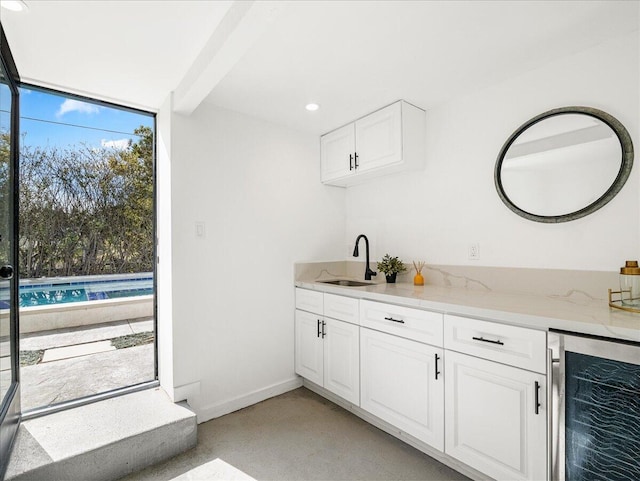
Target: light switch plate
(200, 229)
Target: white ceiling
(133, 52)
(351, 57)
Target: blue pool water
(59, 291)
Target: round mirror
(564, 164)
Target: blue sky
(54, 120)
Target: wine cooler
(596, 415)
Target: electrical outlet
(474, 251)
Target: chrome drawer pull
(487, 340)
(394, 320)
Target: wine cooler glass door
(599, 421)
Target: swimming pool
(60, 290)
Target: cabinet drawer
(415, 324)
(310, 301)
(512, 345)
(342, 308)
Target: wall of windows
(86, 248)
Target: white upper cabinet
(379, 138)
(389, 140)
(337, 151)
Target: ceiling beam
(241, 27)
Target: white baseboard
(215, 410)
(187, 392)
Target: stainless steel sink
(348, 283)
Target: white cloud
(121, 144)
(70, 105)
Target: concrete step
(102, 441)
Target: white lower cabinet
(473, 389)
(327, 353)
(493, 422)
(342, 359)
(402, 383)
(309, 347)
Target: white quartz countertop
(575, 312)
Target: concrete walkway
(102, 441)
(79, 362)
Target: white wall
(256, 187)
(435, 215)
(164, 283)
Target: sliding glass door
(9, 371)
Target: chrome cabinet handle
(350, 162)
(355, 158)
(394, 320)
(537, 400)
(488, 340)
(318, 335)
(323, 331)
(437, 372)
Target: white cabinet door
(337, 151)
(389, 140)
(491, 420)
(379, 138)
(342, 359)
(399, 384)
(308, 347)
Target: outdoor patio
(65, 364)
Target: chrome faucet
(367, 272)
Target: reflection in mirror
(564, 164)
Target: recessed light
(312, 107)
(14, 5)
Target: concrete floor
(77, 376)
(296, 436)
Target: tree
(86, 211)
(135, 167)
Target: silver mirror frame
(623, 174)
